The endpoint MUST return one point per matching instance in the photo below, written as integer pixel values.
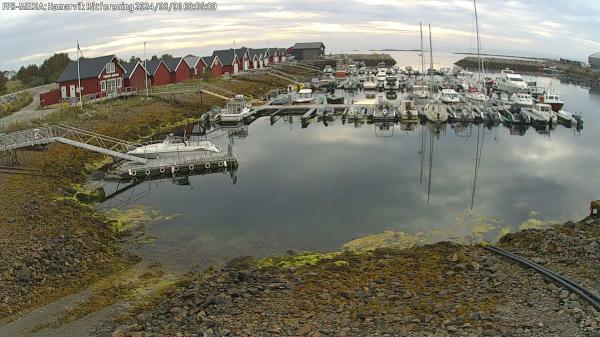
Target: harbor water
(318, 187)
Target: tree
(207, 75)
(3, 81)
(135, 59)
(154, 58)
(53, 66)
(30, 75)
(166, 56)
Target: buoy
(220, 164)
(132, 172)
(162, 170)
(207, 166)
(147, 172)
(191, 167)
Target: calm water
(318, 187)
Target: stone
(24, 274)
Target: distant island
(392, 49)
(509, 56)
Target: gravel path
(30, 111)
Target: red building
(99, 75)
(196, 65)
(159, 72)
(229, 60)
(135, 76)
(214, 64)
(180, 71)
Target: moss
(133, 217)
(311, 259)
(341, 263)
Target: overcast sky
(554, 28)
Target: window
(102, 85)
(119, 82)
(110, 68)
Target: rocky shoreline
(444, 289)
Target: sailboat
(434, 111)
(473, 93)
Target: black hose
(592, 298)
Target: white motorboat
(475, 95)
(381, 76)
(510, 82)
(435, 112)
(236, 110)
(384, 111)
(420, 91)
(357, 112)
(552, 97)
(521, 99)
(173, 146)
(391, 83)
(407, 110)
(449, 96)
(569, 119)
(305, 96)
(370, 83)
(541, 113)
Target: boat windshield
(516, 79)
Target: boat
(391, 83)
(553, 98)
(236, 110)
(381, 76)
(513, 114)
(521, 99)
(540, 114)
(333, 99)
(407, 110)
(460, 114)
(356, 112)
(420, 91)
(551, 70)
(328, 70)
(171, 146)
(382, 66)
(510, 82)
(305, 96)
(370, 83)
(449, 96)
(435, 112)
(391, 95)
(384, 111)
(475, 95)
(569, 119)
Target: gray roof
(240, 52)
(172, 63)
(259, 52)
(191, 60)
(595, 55)
(208, 60)
(309, 45)
(130, 67)
(152, 66)
(225, 56)
(91, 67)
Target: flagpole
(146, 68)
(79, 77)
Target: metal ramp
(71, 136)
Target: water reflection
(319, 187)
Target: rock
(475, 266)
(24, 274)
(118, 333)
(453, 257)
(143, 317)
(564, 294)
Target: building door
(111, 87)
(72, 92)
(246, 64)
(63, 91)
(255, 64)
(235, 67)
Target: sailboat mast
(430, 60)
(422, 52)
(479, 63)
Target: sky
(544, 28)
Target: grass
(22, 100)
(14, 86)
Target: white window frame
(110, 68)
(102, 85)
(119, 82)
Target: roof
(153, 65)
(130, 67)
(240, 52)
(309, 45)
(258, 52)
(208, 60)
(173, 63)
(91, 67)
(595, 55)
(191, 60)
(225, 56)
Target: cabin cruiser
(521, 99)
(173, 146)
(510, 82)
(236, 110)
(407, 110)
(460, 114)
(541, 114)
(435, 112)
(391, 83)
(370, 83)
(356, 112)
(305, 96)
(449, 96)
(553, 98)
